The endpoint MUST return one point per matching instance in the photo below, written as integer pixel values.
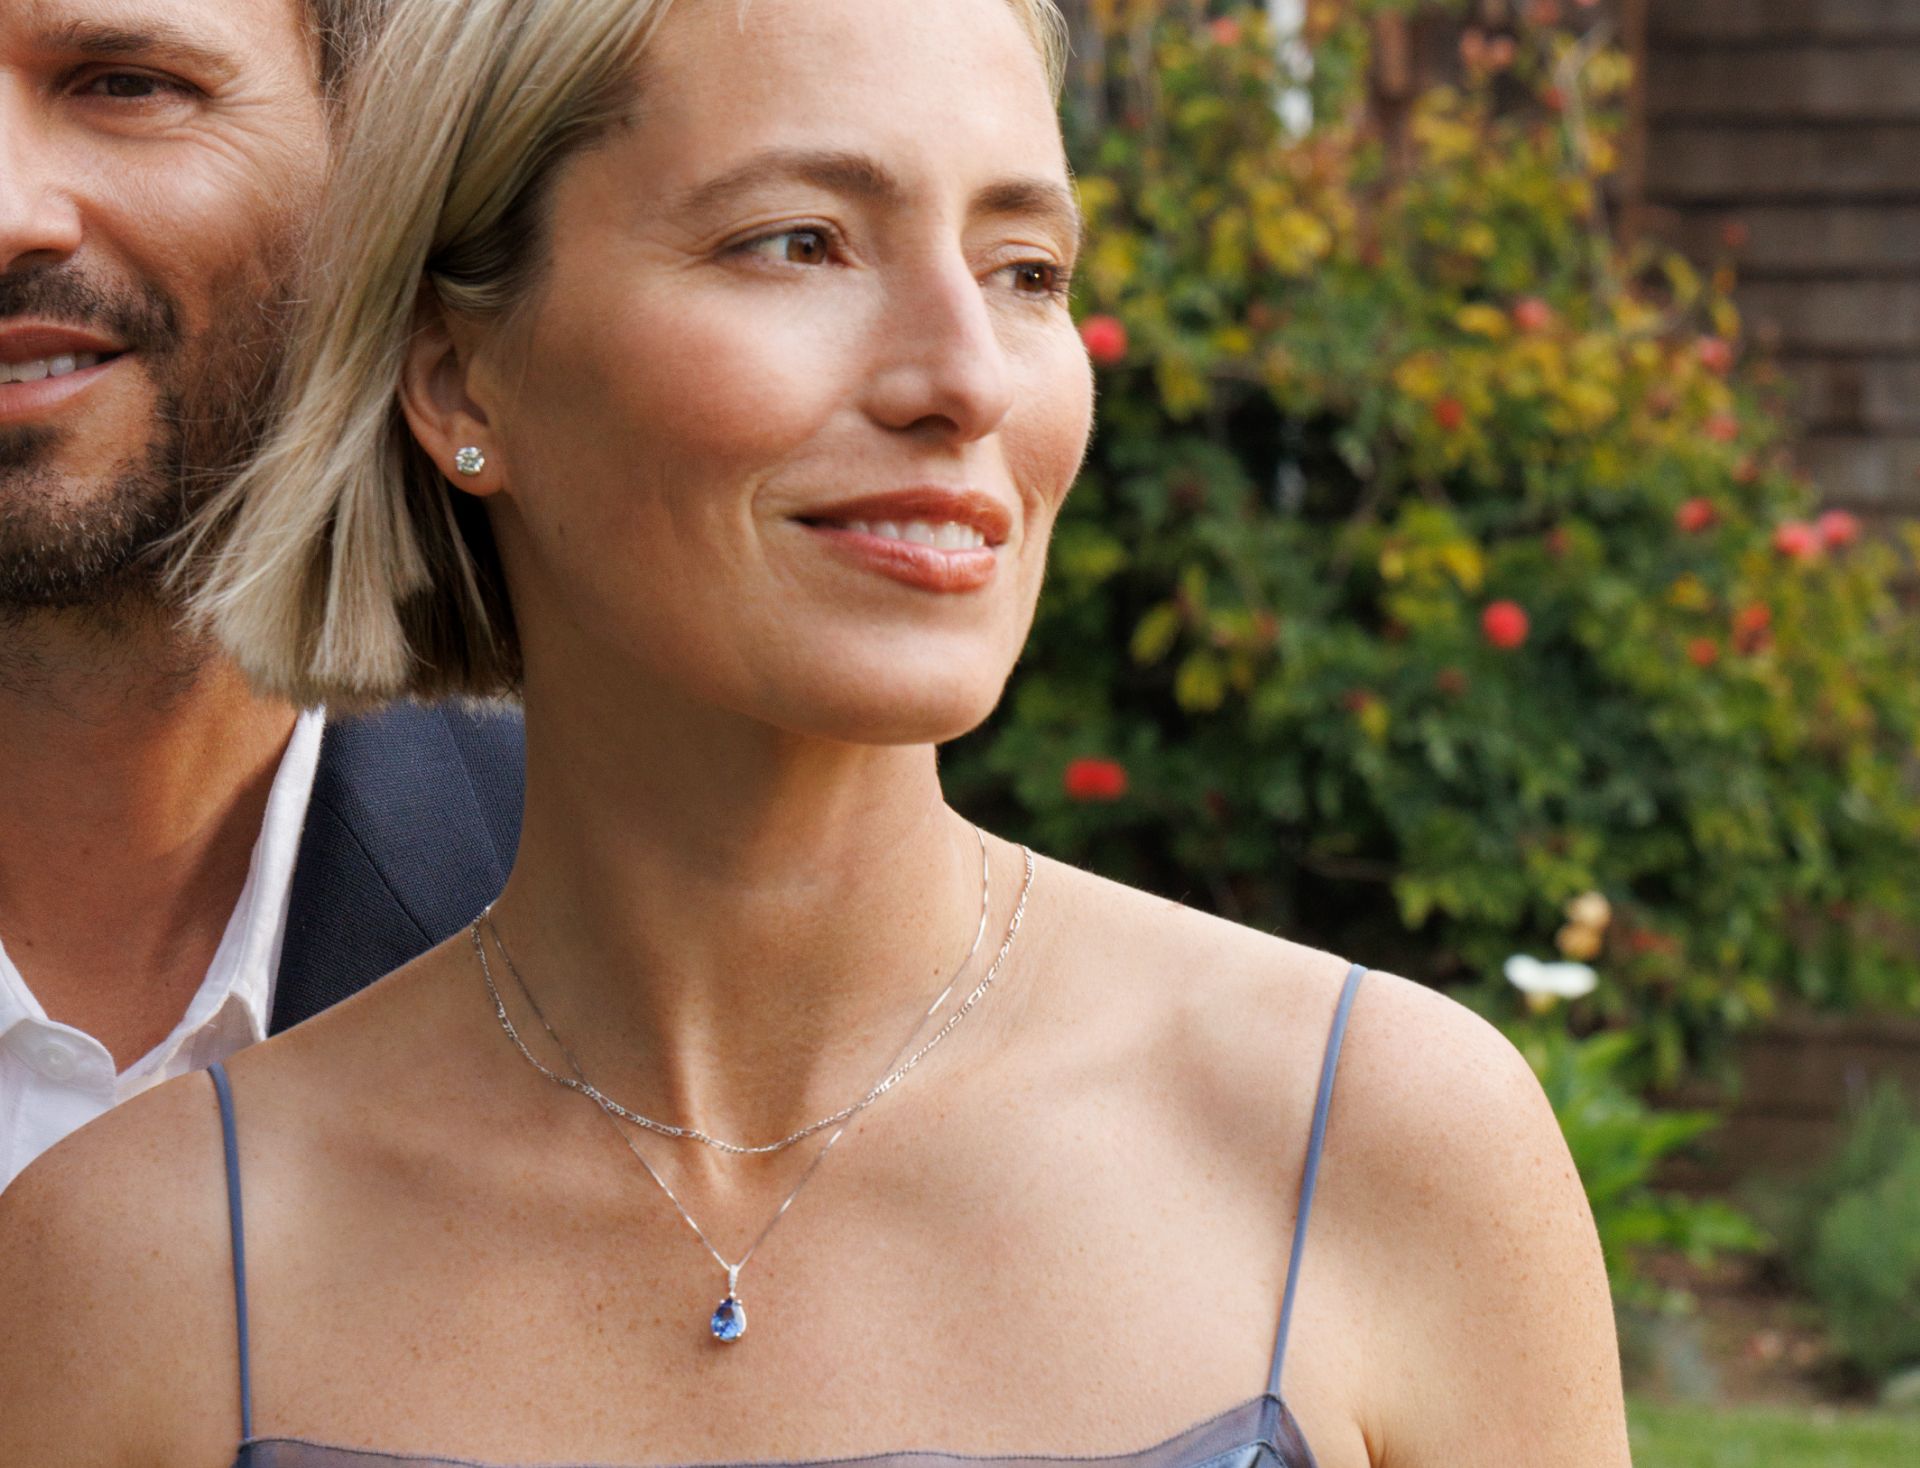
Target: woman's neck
(732, 928)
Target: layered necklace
(728, 1322)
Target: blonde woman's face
(789, 422)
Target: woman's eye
(792, 247)
(1040, 278)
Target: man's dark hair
(341, 28)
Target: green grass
(1699, 1437)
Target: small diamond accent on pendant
(729, 1320)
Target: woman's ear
(436, 394)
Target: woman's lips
(911, 562)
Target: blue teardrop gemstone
(729, 1320)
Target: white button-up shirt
(54, 1079)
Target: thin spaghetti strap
(1310, 1175)
(237, 1227)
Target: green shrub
(1437, 559)
(1851, 1235)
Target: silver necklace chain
(896, 1070)
(730, 1319)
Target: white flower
(1550, 980)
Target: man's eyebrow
(862, 177)
(154, 41)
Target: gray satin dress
(1259, 1433)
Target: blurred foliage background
(1439, 587)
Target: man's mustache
(141, 320)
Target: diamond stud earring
(470, 461)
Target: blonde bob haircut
(340, 567)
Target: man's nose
(39, 213)
(941, 364)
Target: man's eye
(131, 86)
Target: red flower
(1559, 541)
(1554, 99)
(1452, 682)
(1358, 700)
(1696, 515)
(1450, 414)
(1723, 428)
(1797, 540)
(1532, 314)
(1716, 355)
(1095, 779)
(1106, 339)
(1753, 628)
(1703, 652)
(1505, 625)
(1838, 528)
(1226, 31)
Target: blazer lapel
(396, 855)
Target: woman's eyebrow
(854, 174)
(1035, 198)
(860, 176)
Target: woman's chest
(1079, 1298)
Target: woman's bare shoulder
(1245, 998)
(115, 1265)
(116, 1252)
(1450, 1229)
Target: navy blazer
(411, 830)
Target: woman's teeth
(948, 536)
(46, 367)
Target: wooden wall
(1797, 124)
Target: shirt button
(55, 1059)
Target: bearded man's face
(159, 162)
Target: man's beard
(103, 547)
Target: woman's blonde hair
(340, 568)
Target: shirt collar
(241, 975)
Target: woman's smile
(933, 539)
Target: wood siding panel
(1724, 22)
(1718, 163)
(1841, 238)
(1857, 395)
(1784, 137)
(1872, 472)
(1875, 83)
(1880, 317)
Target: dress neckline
(1262, 1421)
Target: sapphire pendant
(729, 1320)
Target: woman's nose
(941, 367)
